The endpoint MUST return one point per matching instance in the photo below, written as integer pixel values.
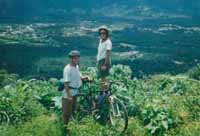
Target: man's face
(103, 34)
(75, 60)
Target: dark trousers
(68, 107)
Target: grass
(44, 125)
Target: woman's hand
(103, 67)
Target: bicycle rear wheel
(118, 114)
(82, 107)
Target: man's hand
(86, 78)
(69, 97)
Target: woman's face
(103, 34)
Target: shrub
(157, 119)
(6, 78)
(195, 72)
(19, 104)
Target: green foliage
(157, 120)
(43, 125)
(120, 72)
(6, 78)
(124, 89)
(88, 127)
(45, 92)
(193, 105)
(160, 105)
(190, 129)
(92, 73)
(195, 72)
(23, 100)
(19, 104)
(179, 87)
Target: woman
(103, 56)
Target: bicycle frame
(116, 111)
(89, 95)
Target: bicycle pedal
(95, 111)
(118, 115)
(97, 117)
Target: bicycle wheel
(82, 107)
(4, 119)
(118, 114)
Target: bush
(195, 72)
(19, 104)
(157, 119)
(6, 78)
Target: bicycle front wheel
(118, 114)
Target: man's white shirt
(72, 75)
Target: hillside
(159, 105)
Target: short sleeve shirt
(103, 47)
(72, 75)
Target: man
(103, 56)
(72, 81)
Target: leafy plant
(6, 78)
(195, 72)
(157, 120)
(178, 87)
(19, 104)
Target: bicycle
(116, 114)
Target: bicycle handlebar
(110, 82)
(107, 83)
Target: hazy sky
(18, 8)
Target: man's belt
(73, 88)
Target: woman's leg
(104, 85)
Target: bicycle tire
(122, 115)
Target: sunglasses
(102, 33)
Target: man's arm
(69, 95)
(85, 78)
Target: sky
(30, 8)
